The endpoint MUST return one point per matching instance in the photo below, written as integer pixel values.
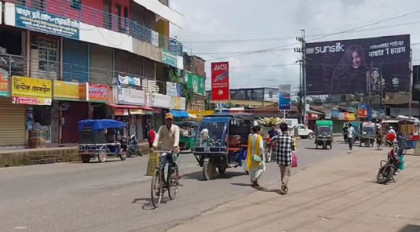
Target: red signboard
(362, 113)
(98, 93)
(220, 81)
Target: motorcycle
(388, 167)
(133, 148)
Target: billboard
(220, 81)
(284, 97)
(379, 64)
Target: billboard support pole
(410, 100)
(304, 73)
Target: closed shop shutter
(12, 123)
(122, 62)
(149, 69)
(101, 65)
(76, 112)
(136, 65)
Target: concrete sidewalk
(337, 195)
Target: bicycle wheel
(172, 182)
(156, 189)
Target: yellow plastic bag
(153, 163)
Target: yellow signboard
(32, 91)
(66, 90)
(352, 117)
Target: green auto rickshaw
(324, 134)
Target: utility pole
(302, 50)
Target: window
(270, 94)
(76, 4)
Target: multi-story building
(196, 79)
(62, 61)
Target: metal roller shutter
(77, 111)
(12, 123)
(136, 65)
(101, 65)
(149, 69)
(122, 62)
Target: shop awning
(192, 115)
(180, 114)
(125, 106)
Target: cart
(100, 139)
(368, 135)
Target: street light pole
(302, 50)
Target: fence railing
(13, 65)
(99, 18)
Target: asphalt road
(114, 196)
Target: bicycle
(162, 182)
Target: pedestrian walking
(350, 136)
(151, 135)
(255, 156)
(283, 147)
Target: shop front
(127, 104)
(36, 94)
(71, 108)
(98, 96)
(12, 124)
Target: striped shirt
(283, 145)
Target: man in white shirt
(350, 136)
(168, 139)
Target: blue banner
(284, 97)
(335, 113)
(40, 21)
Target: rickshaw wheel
(208, 170)
(102, 157)
(85, 158)
(222, 171)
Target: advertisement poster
(161, 101)
(196, 83)
(220, 81)
(362, 110)
(129, 96)
(379, 64)
(31, 91)
(169, 59)
(4, 86)
(178, 103)
(284, 97)
(64, 90)
(98, 93)
(173, 89)
(36, 20)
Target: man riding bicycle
(168, 137)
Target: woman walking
(255, 160)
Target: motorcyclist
(391, 136)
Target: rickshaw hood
(97, 125)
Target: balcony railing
(99, 18)
(12, 65)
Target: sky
(226, 30)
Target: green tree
(186, 92)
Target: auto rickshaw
(100, 139)
(368, 134)
(187, 134)
(220, 142)
(324, 134)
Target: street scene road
(114, 196)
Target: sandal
(284, 189)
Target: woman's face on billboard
(356, 59)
